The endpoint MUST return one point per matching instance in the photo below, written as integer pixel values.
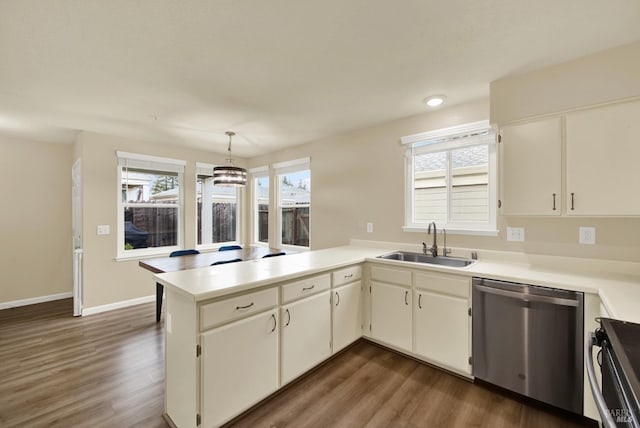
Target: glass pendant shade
(229, 175)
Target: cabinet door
(306, 335)
(347, 315)
(442, 329)
(391, 314)
(239, 366)
(603, 149)
(531, 168)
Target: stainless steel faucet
(434, 246)
(445, 250)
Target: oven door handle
(527, 297)
(607, 419)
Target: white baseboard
(34, 300)
(117, 305)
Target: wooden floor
(106, 370)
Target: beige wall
(105, 279)
(358, 177)
(35, 219)
(603, 77)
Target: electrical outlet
(369, 227)
(103, 229)
(587, 235)
(515, 234)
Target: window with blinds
(149, 205)
(450, 179)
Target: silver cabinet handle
(244, 307)
(348, 276)
(288, 317)
(275, 323)
(337, 297)
(420, 301)
(527, 297)
(308, 288)
(607, 419)
(406, 296)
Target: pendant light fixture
(229, 175)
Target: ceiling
(276, 72)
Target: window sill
(454, 231)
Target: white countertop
(617, 283)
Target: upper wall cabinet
(531, 168)
(603, 151)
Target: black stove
(620, 342)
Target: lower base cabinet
(442, 329)
(239, 366)
(391, 314)
(305, 335)
(347, 315)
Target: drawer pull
(288, 317)
(338, 299)
(406, 296)
(244, 307)
(275, 323)
(308, 288)
(348, 276)
(420, 301)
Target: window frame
(296, 165)
(448, 140)
(152, 164)
(255, 174)
(206, 169)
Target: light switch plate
(515, 234)
(587, 235)
(104, 229)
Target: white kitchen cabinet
(347, 314)
(391, 314)
(441, 320)
(603, 149)
(305, 335)
(239, 366)
(531, 168)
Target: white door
(76, 230)
(442, 329)
(531, 168)
(391, 314)
(306, 335)
(239, 366)
(347, 315)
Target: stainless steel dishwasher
(529, 339)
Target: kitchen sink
(407, 256)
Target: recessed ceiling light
(435, 100)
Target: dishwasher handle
(527, 297)
(607, 419)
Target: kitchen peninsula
(237, 333)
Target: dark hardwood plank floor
(106, 370)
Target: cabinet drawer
(391, 276)
(444, 284)
(222, 311)
(345, 276)
(305, 287)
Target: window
(150, 204)
(294, 202)
(450, 179)
(217, 210)
(260, 205)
